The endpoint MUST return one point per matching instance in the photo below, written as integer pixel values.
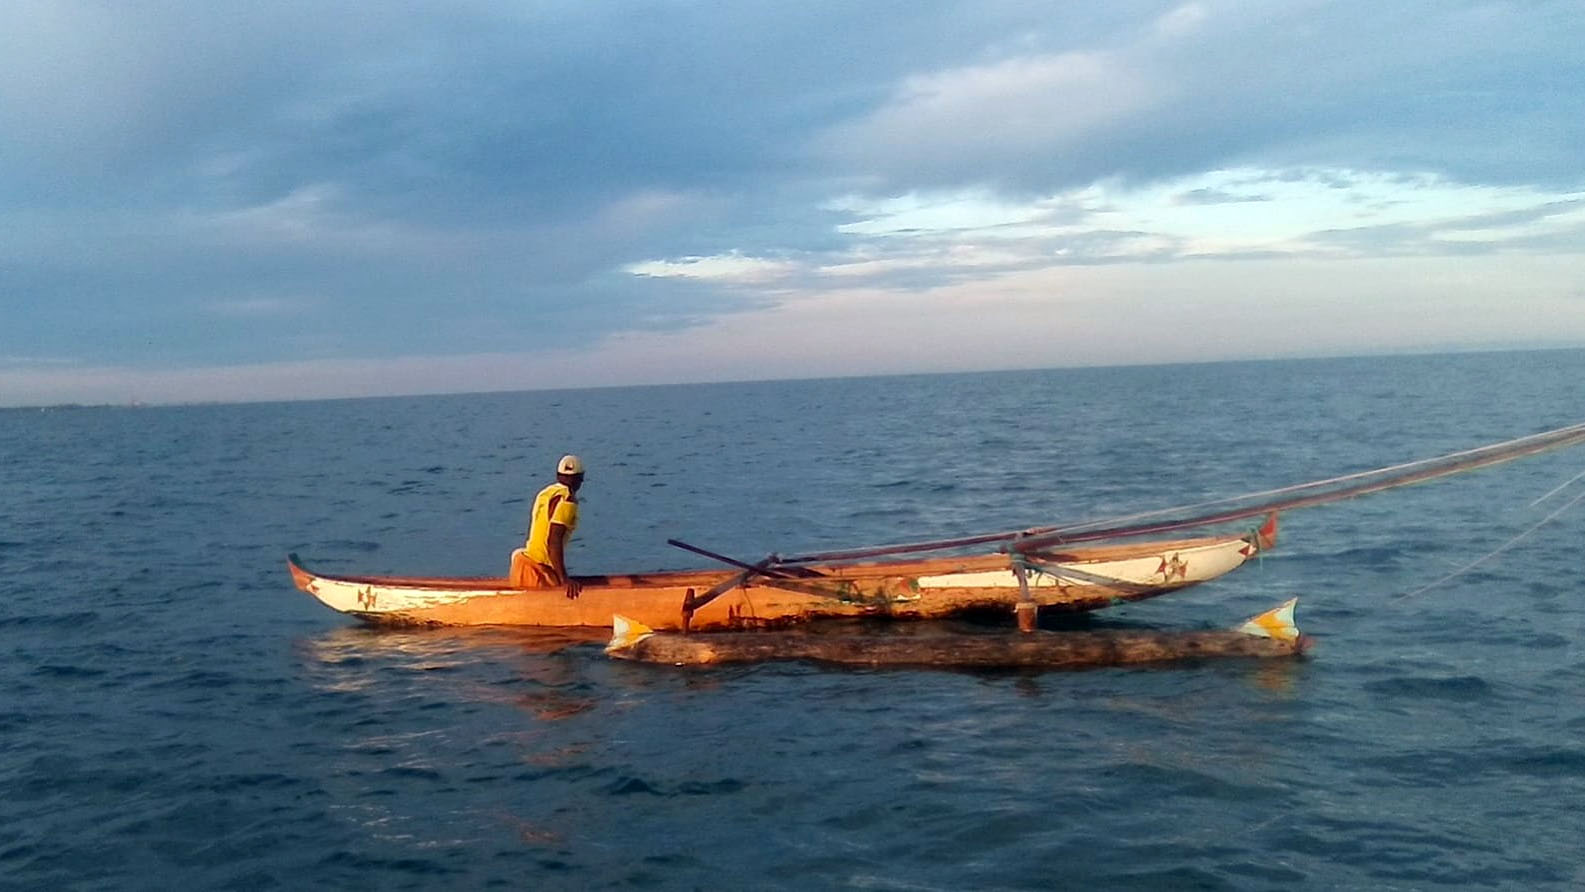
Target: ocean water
(174, 714)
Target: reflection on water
(529, 832)
(1278, 676)
(353, 641)
(456, 665)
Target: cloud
(999, 114)
(1052, 316)
(490, 177)
(1205, 196)
(924, 239)
(732, 267)
(1225, 84)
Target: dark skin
(557, 540)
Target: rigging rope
(1557, 489)
(1499, 550)
(1296, 496)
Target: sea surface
(174, 714)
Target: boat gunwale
(706, 578)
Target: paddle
(763, 568)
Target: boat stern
(300, 577)
(339, 595)
(1264, 538)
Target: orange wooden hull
(1079, 579)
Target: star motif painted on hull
(1173, 568)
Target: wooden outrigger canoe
(1036, 569)
(1072, 579)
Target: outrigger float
(1271, 634)
(773, 593)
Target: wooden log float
(1271, 634)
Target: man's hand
(574, 588)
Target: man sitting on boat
(542, 561)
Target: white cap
(569, 464)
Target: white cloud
(955, 210)
(940, 259)
(921, 237)
(1181, 21)
(728, 268)
(1252, 210)
(306, 213)
(1014, 107)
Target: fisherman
(542, 561)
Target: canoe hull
(1079, 580)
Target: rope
(1562, 486)
(1123, 526)
(1571, 434)
(1499, 550)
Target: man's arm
(558, 558)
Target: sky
(224, 200)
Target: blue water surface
(175, 713)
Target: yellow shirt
(554, 504)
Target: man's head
(569, 472)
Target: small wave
(54, 670)
(232, 783)
(205, 679)
(342, 545)
(869, 513)
(1457, 688)
(77, 618)
(362, 864)
(1185, 781)
(1546, 762)
(412, 771)
(1169, 878)
(628, 785)
(1420, 768)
